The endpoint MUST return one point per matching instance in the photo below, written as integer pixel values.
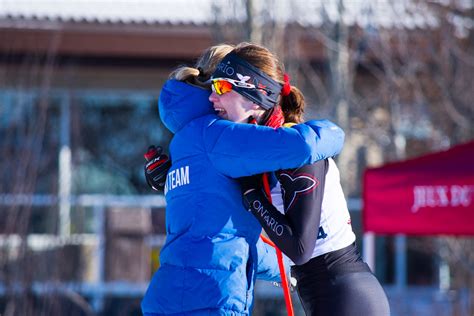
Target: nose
(213, 97)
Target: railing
(99, 288)
(413, 300)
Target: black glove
(156, 168)
(251, 188)
(250, 183)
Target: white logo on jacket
(177, 178)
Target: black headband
(267, 90)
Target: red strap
(267, 240)
(156, 163)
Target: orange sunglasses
(224, 85)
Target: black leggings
(327, 286)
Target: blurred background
(81, 232)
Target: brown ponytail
(293, 106)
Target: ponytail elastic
(201, 72)
(286, 86)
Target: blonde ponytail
(184, 73)
(204, 67)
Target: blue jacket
(213, 254)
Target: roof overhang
(175, 41)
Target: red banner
(430, 195)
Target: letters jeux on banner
(429, 196)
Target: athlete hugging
(212, 254)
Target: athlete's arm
(295, 233)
